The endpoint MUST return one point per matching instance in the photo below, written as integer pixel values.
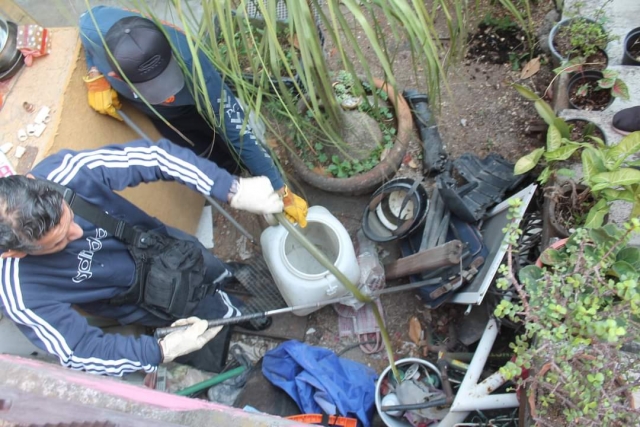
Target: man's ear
(30, 176)
(13, 254)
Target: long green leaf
(596, 215)
(528, 162)
(545, 111)
(554, 138)
(562, 153)
(619, 178)
(526, 92)
(592, 163)
(617, 154)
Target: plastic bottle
(300, 278)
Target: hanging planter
(586, 94)
(563, 41)
(631, 55)
(366, 181)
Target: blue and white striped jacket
(96, 23)
(37, 292)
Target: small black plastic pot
(581, 78)
(598, 128)
(633, 38)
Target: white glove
(191, 339)
(256, 195)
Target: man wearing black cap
(141, 52)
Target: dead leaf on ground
(295, 42)
(413, 164)
(415, 330)
(272, 142)
(531, 68)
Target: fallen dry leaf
(412, 164)
(530, 68)
(415, 330)
(384, 153)
(295, 42)
(272, 142)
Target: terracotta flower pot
(557, 245)
(366, 182)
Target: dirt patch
(583, 129)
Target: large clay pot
(366, 182)
(632, 39)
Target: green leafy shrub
(580, 311)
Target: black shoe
(626, 121)
(256, 325)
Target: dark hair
(29, 208)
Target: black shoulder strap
(122, 230)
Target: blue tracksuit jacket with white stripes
(93, 27)
(37, 291)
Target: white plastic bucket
(300, 278)
(388, 420)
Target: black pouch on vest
(170, 276)
(169, 272)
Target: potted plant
(579, 312)
(579, 36)
(631, 46)
(594, 90)
(374, 134)
(561, 143)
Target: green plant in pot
(558, 147)
(580, 313)
(590, 89)
(368, 130)
(579, 36)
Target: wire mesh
(256, 287)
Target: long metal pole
(209, 199)
(163, 332)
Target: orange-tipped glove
(295, 207)
(102, 97)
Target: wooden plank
(42, 85)
(429, 259)
(55, 81)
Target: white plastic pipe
(472, 396)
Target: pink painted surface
(130, 392)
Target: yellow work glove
(295, 207)
(102, 97)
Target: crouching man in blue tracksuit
(141, 66)
(52, 258)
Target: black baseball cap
(144, 55)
